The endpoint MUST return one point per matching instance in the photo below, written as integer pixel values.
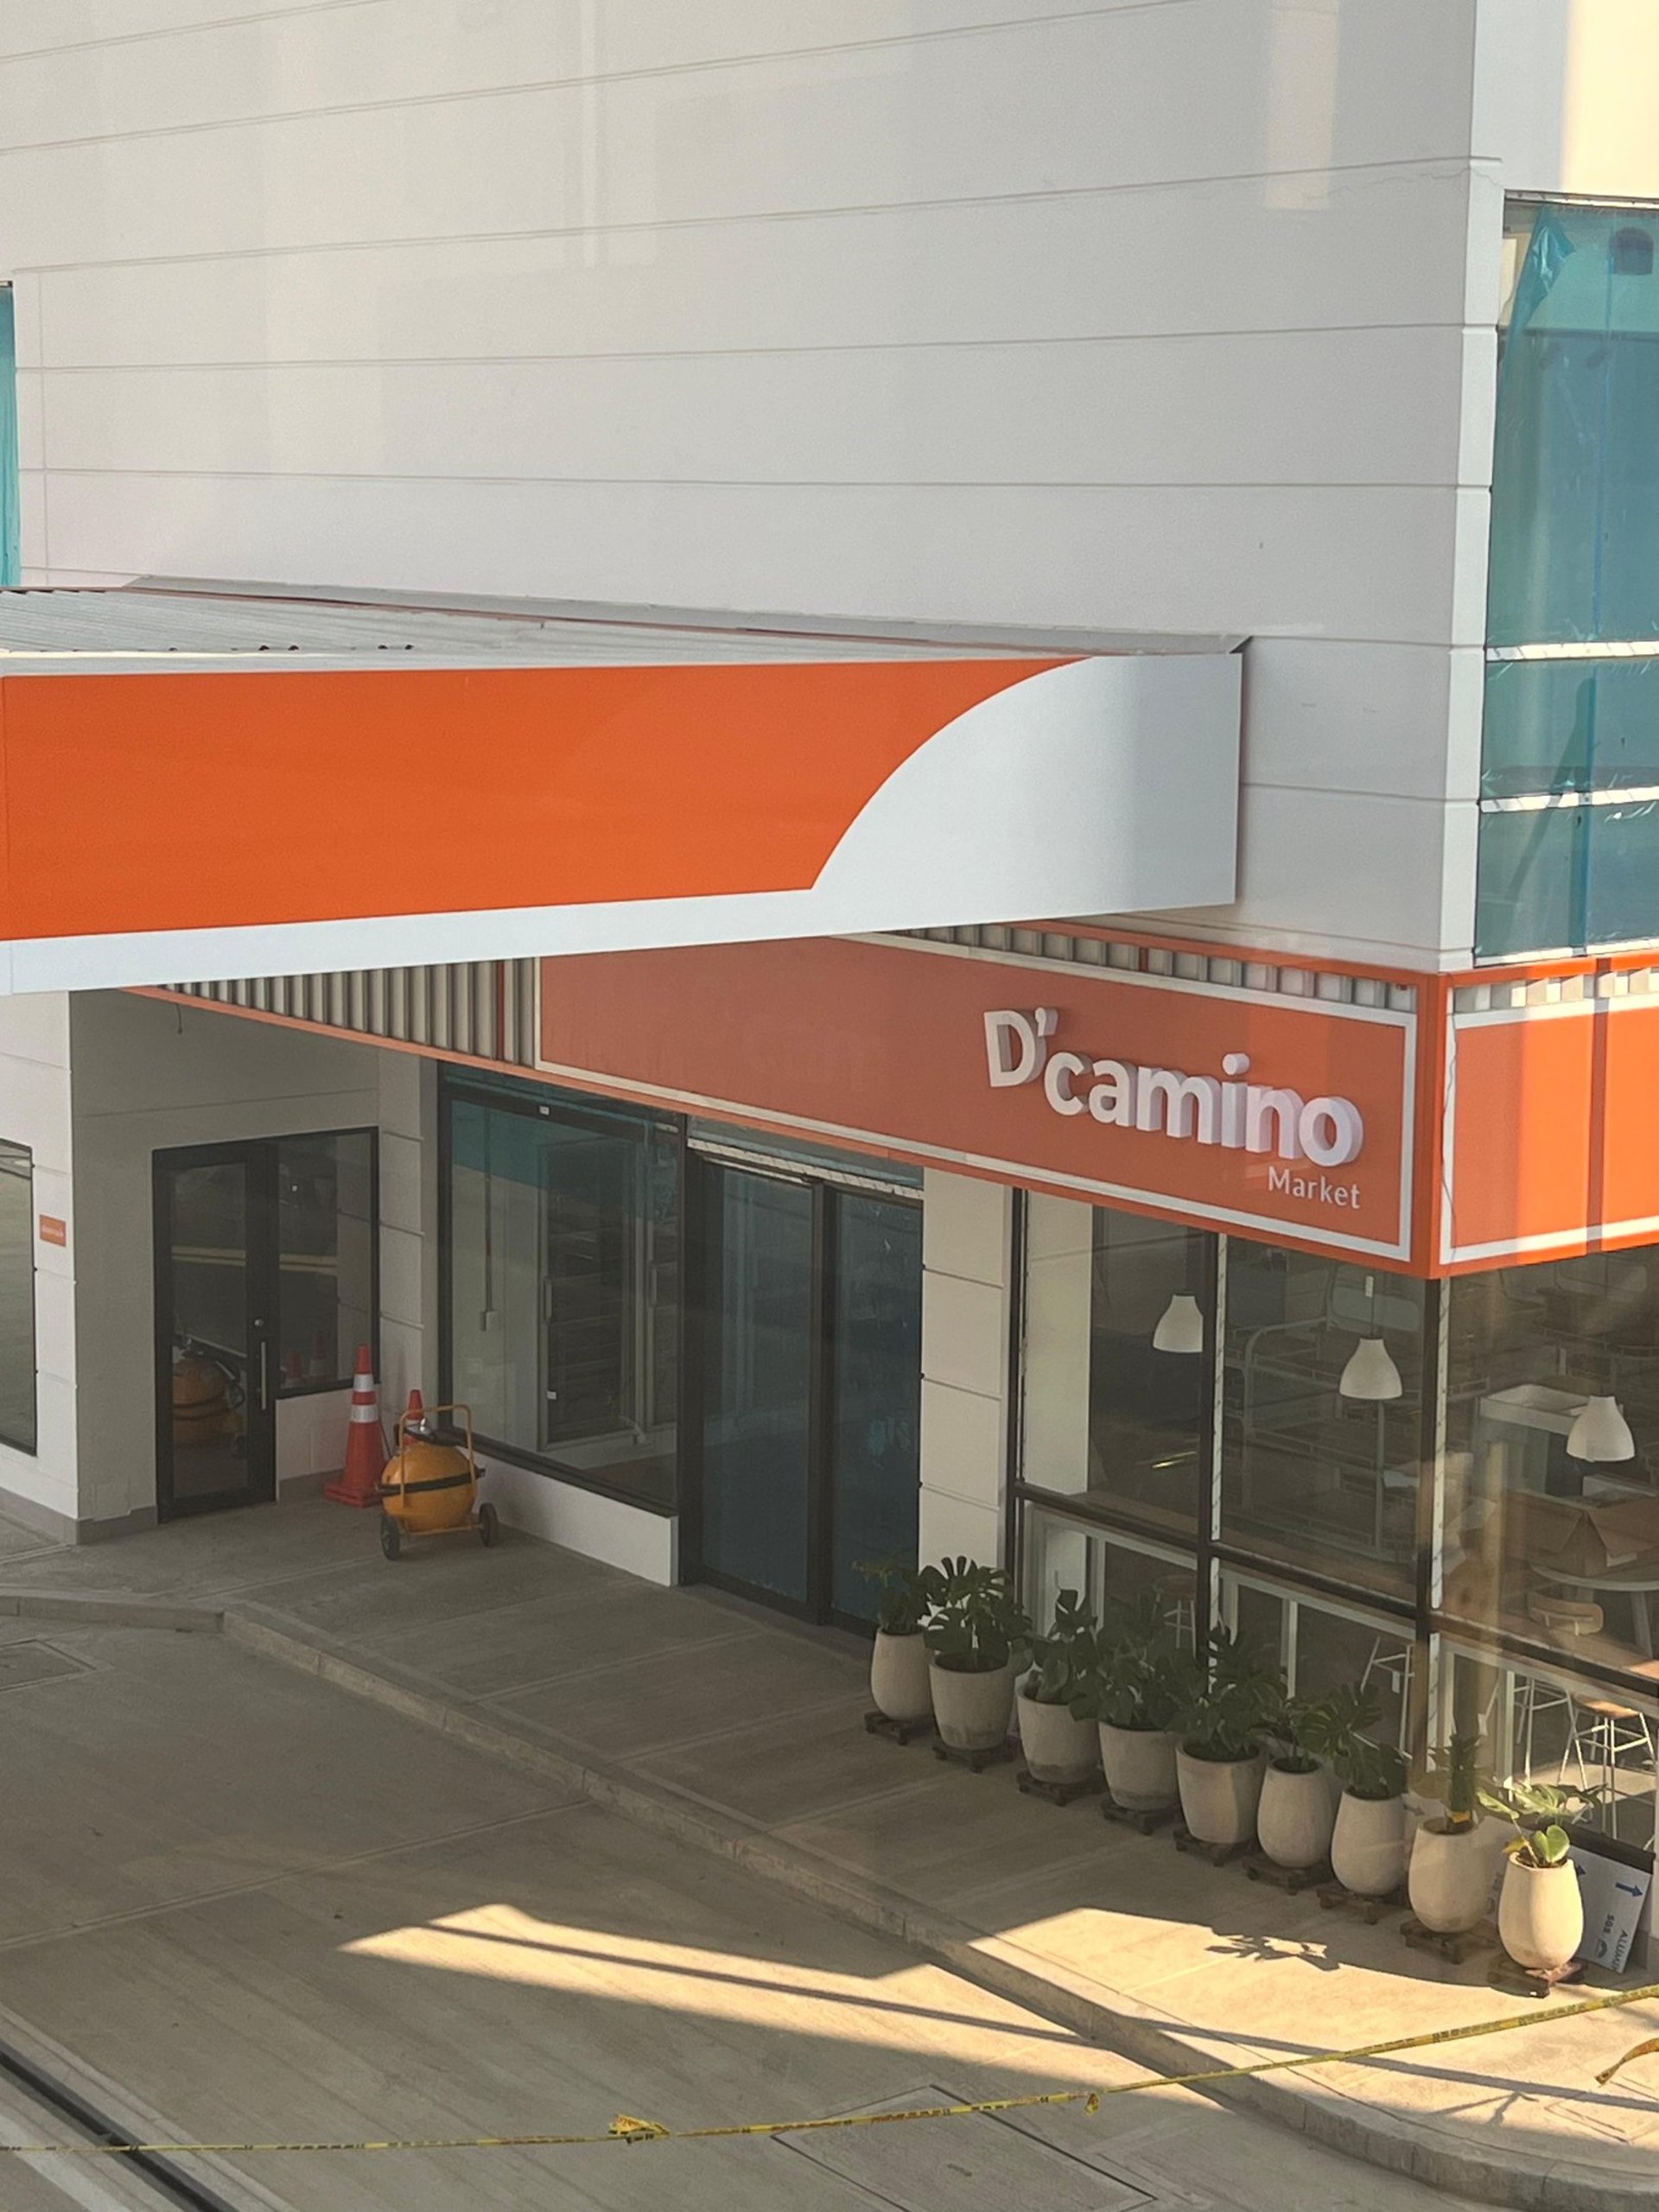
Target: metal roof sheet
(44, 630)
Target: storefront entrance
(811, 1367)
(265, 1283)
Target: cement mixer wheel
(391, 1540)
(488, 1525)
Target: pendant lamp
(1600, 1433)
(1370, 1372)
(1180, 1327)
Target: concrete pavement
(712, 1725)
(240, 1903)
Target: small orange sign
(53, 1231)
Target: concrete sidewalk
(708, 1721)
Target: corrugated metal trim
(1332, 987)
(485, 1009)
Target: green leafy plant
(1334, 1729)
(978, 1624)
(1455, 1779)
(908, 1594)
(1226, 1707)
(1141, 1672)
(1540, 1811)
(1063, 1662)
(1287, 1734)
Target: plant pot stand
(1454, 1947)
(1058, 1793)
(1333, 1897)
(1292, 1879)
(975, 1762)
(1527, 1982)
(1144, 1822)
(1217, 1854)
(897, 1731)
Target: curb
(1299, 2103)
(95, 1611)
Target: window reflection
(1542, 1727)
(325, 1245)
(1320, 1646)
(1322, 1426)
(1106, 1571)
(1552, 1468)
(1116, 1375)
(564, 1286)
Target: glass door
(215, 1389)
(810, 1372)
(758, 1354)
(876, 1392)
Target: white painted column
(44, 1487)
(967, 1288)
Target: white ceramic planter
(1540, 1914)
(1293, 1820)
(973, 1710)
(1450, 1877)
(1219, 1797)
(899, 1685)
(1367, 1845)
(1056, 1747)
(1140, 1765)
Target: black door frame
(699, 1328)
(258, 1156)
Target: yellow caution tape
(626, 2129)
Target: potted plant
(1294, 1817)
(1450, 1876)
(1540, 1912)
(899, 1683)
(1368, 1842)
(976, 1633)
(1060, 1746)
(1219, 1718)
(1140, 1676)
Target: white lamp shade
(1180, 1328)
(1600, 1433)
(1370, 1372)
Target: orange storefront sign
(1551, 1139)
(1278, 1115)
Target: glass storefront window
(1321, 1646)
(326, 1256)
(1540, 1726)
(1551, 1513)
(563, 1284)
(1116, 1377)
(1106, 1571)
(1321, 1434)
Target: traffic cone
(415, 1415)
(358, 1481)
(318, 1371)
(291, 1368)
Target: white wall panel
(1208, 560)
(35, 1110)
(1195, 258)
(1401, 720)
(1081, 103)
(1376, 878)
(1379, 409)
